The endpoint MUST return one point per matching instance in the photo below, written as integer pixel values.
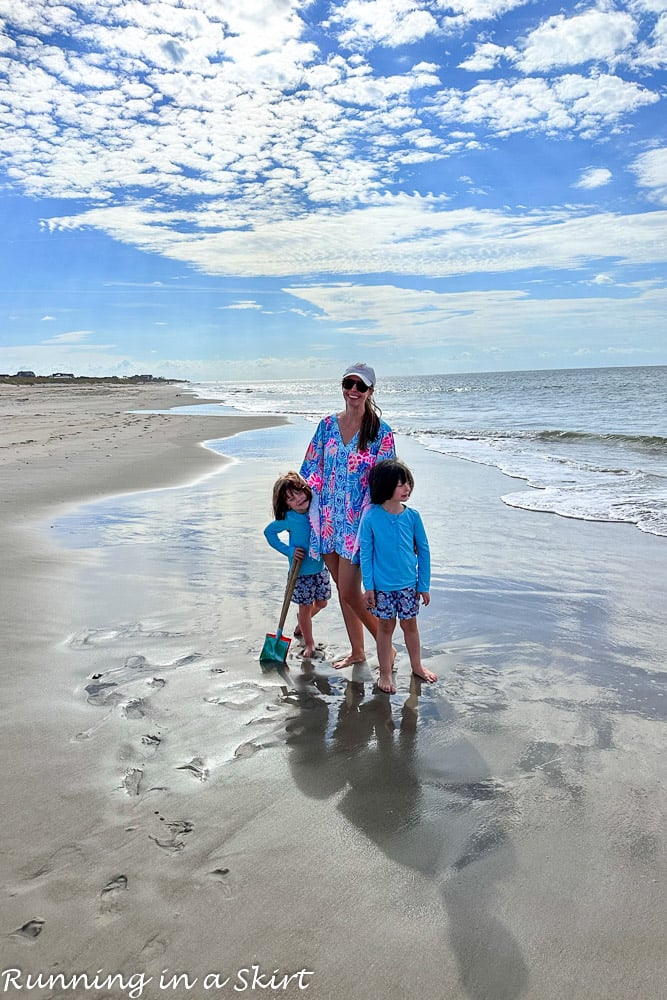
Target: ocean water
(588, 443)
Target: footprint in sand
(196, 767)
(137, 662)
(222, 877)
(116, 884)
(65, 859)
(151, 740)
(30, 930)
(172, 839)
(135, 708)
(105, 636)
(132, 781)
(102, 692)
(219, 873)
(153, 948)
(102, 687)
(111, 894)
(248, 749)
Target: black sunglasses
(355, 383)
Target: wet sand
(173, 810)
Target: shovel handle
(289, 589)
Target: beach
(180, 823)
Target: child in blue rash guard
(395, 566)
(291, 500)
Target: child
(395, 566)
(291, 499)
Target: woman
(344, 449)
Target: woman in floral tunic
(344, 449)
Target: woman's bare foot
(349, 661)
(386, 683)
(424, 674)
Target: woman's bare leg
(347, 578)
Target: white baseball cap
(364, 372)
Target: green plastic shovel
(276, 644)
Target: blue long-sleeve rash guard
(297, 526)
(394, 550)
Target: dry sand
(170, 810)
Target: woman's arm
(312, 467)
(387, 447)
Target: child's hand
(425, 597)
(369, 598)
(299, 553)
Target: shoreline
(88, 442)
(169, 803)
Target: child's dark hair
(385, 476)
(288, 483)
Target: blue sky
(210, 189)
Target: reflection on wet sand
(436, 819)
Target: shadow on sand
(441, 814)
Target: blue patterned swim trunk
(312, 587)
(396, 603)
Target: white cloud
(653, 53)
(481, 10)
(246, 113)
(595, 35)
(404, 235)
(651, 171)
(567, 103)
(485, 57)
(650, 6)
(74, 337)
(235, 102)
(243, 305)
(483, 320)
(366, 23)
(593, 177)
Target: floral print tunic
(338, 475)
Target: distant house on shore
(62, 375)
(25, 374)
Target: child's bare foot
(386, 683)
(349, 661)
(424, 674)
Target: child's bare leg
(317, 607)
(386, 654)
(305, 616)
(413, 645)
